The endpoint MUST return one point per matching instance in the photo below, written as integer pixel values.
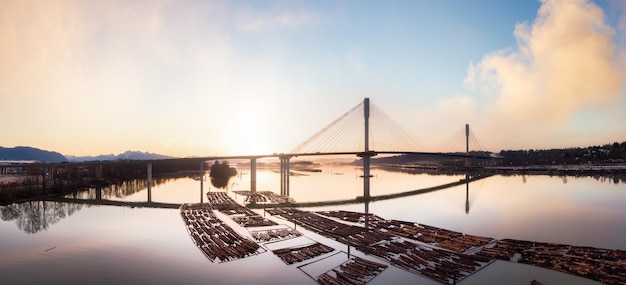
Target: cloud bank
(565, 75)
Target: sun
(247, 137)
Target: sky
(202, 78)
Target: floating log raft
(240, 214)
(389, 240)
(443, 238)
(274, 234)
(292, 255)
(354, 271)
(605, 265)
(261, 197)
(352, 217)
(217, 241)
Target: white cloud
(566, 63)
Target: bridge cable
(316, 141)
(392, 134)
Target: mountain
(30, 153)
(128, 155)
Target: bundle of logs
(354, 271)
(274, 234)
(240, 214)
(297, 254)
(213, 237)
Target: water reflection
(606, 177)
(613, 178)
(120, 190)
(35, 216)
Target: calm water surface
(55, 242)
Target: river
(53, 242)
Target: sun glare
(247, 137)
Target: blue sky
(188, 78)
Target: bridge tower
(466, 138)
(367, 153)
(467, 133)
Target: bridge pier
(284, 175)
(253, 175)
(149, 178)
(201, 182)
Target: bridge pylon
(467, 134)
(284, 175)
(367, 153)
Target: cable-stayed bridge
(364, 131)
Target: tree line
(609, 153)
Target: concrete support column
(287, 177)
(201, 182)
(253, 175)
(283, 180)
(149, 178)
(284, 176)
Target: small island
(220, 173)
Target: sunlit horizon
(223, 78)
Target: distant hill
(128, 155)
(30, 153)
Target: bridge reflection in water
(97, 200)
(35, 216)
